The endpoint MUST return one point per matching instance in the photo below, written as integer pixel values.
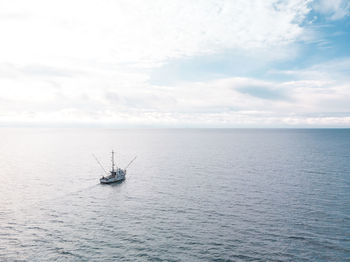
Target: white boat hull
(111, 180)
(114, 177)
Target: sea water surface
(191, 195)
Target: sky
(175, 63)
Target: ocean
(191, 195)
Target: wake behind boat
(117, 174)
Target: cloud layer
(91, 62)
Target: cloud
(262, 92)
(9, 70)
(92, 63)
(327, 71)
(146, 33)
(335, 9)
(221, 102)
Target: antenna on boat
(130, 162)
(113, 161)
(100, 164)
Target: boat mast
(113, 161)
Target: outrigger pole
(100, 164)
(130, 162)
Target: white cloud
(214, 103)
(333, 69)
(142, 31)
(334, 9)
(88, 62)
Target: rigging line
(100, 164)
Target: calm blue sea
(191, 195)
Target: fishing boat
(117, 174)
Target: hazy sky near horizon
(175, 63)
